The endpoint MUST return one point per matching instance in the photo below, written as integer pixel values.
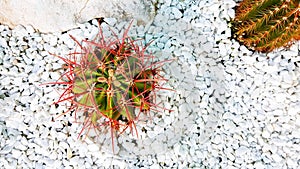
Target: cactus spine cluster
(264, 25)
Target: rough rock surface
(52, 16)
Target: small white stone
(3, 42)
(265, 133)
(53, 41)
(229, 125)
(67, 40)
(292, 111)
(269, 69)
(214, 7)
(222, 27)
(177, 14)
(184, 109)
(128, 146)
(20, 31)
(53, 155)
(167, 2)
(160, 45)
(19, 145)
(287, 77)
(148, 38)
(33, 78)
(5, 81)
(158, 147)
(218, 139)
(259, 164)
(207, 47)
(6, 149)
(222, 49)
(25, 159)
(277, 158)
(111, 21)
(250, 71)
(29, 29)
(167, 120)
(93, 147)
(241, 151)
(16, 153)
(230, 156)
(54, 75)
(38, 39)
(45, 76)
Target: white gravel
(233, 108)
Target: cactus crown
(264, 25)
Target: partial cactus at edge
(264, 25)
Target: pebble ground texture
(233, 108)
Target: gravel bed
(233, 108)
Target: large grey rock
(62, 15)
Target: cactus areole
(110, 81)
(264, 25)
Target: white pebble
(177, 14)
(53, 41)
(93, 147)
(276, 158)
(241, 151)
(29, 29)
(3, 43)
(16, 153)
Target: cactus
(108, 80)
(264, 25)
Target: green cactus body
(110, 82)
(264, 25)
(115, 86)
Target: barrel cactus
(109, 82)
(265, 25)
